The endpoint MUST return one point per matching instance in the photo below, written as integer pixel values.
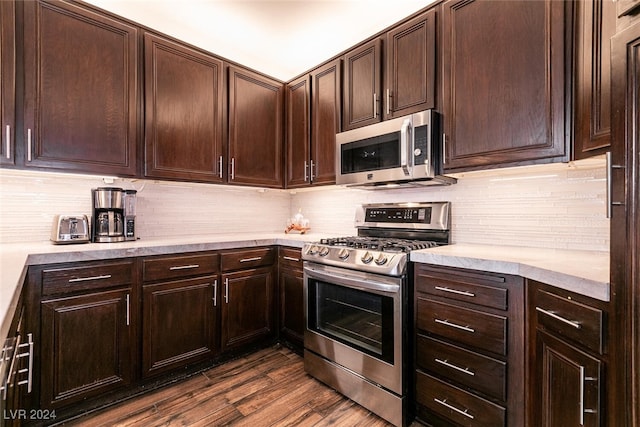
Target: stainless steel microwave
(404, 150)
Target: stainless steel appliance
(108, 215)
(402, 151)
(70, 229)
(358, 303)
(129, 200)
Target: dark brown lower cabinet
(86, 346)
(469, 348)
(567, 382)
(247, 307)
(179, 323)
(568, 358)
(291, 284)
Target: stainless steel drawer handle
(288, 258)
(455, 291)
(609, 201)
(226, 290)
(457, 368)
(128, 310)
(258, 258)
(453, 408)
(560, 318)
(455, 325)
(215, 293)
(184, 267)
(86, 279)
(8, 142)
(29, 156)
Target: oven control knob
(367, 257)
(381, 260)
(313, 250)
(343, 253)
(324, 251)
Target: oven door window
(362, 320)
(371, 154)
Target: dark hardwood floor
(267, 388)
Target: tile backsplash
(559, 206)
(551, 206)
(29, 201)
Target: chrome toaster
(70, 229)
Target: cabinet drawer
(247, 258)
(170, 267)
(83, 277)
(457, 405)
(465, 286)
(475, 328)
(571, 319)
(468, 368)
(290, 258)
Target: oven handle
(352, 281)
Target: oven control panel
(399, 215)
(426, 216)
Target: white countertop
(583, 272)
(15, 258)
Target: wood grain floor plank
(268, 388)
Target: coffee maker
(129, 202)
(108, 215)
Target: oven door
(355, 320)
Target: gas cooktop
(387, 233)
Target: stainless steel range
(358, 303)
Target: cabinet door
(7, 81)
(595, 25)
(81, 85)
(255, 129)
(184, 99)
(567, 386)
(178, 323)
(298, 156)
(86, 346)
(411, 67)
(624, 390)
(292, 305)
(326, 112)
(247, 307)
(505, 99)
(362, 86)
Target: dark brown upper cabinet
(326, 112)
(410, 78)
(81, 89)
(627, 8)
(298, 132)
(362, 85)
(184, 101)
(313, 118)
(595, 25)
(255, 129)
(505, 82)
(7, 81)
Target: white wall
(552, 206)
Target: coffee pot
(108, 215)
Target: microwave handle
(405, 146)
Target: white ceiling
(282, 38)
